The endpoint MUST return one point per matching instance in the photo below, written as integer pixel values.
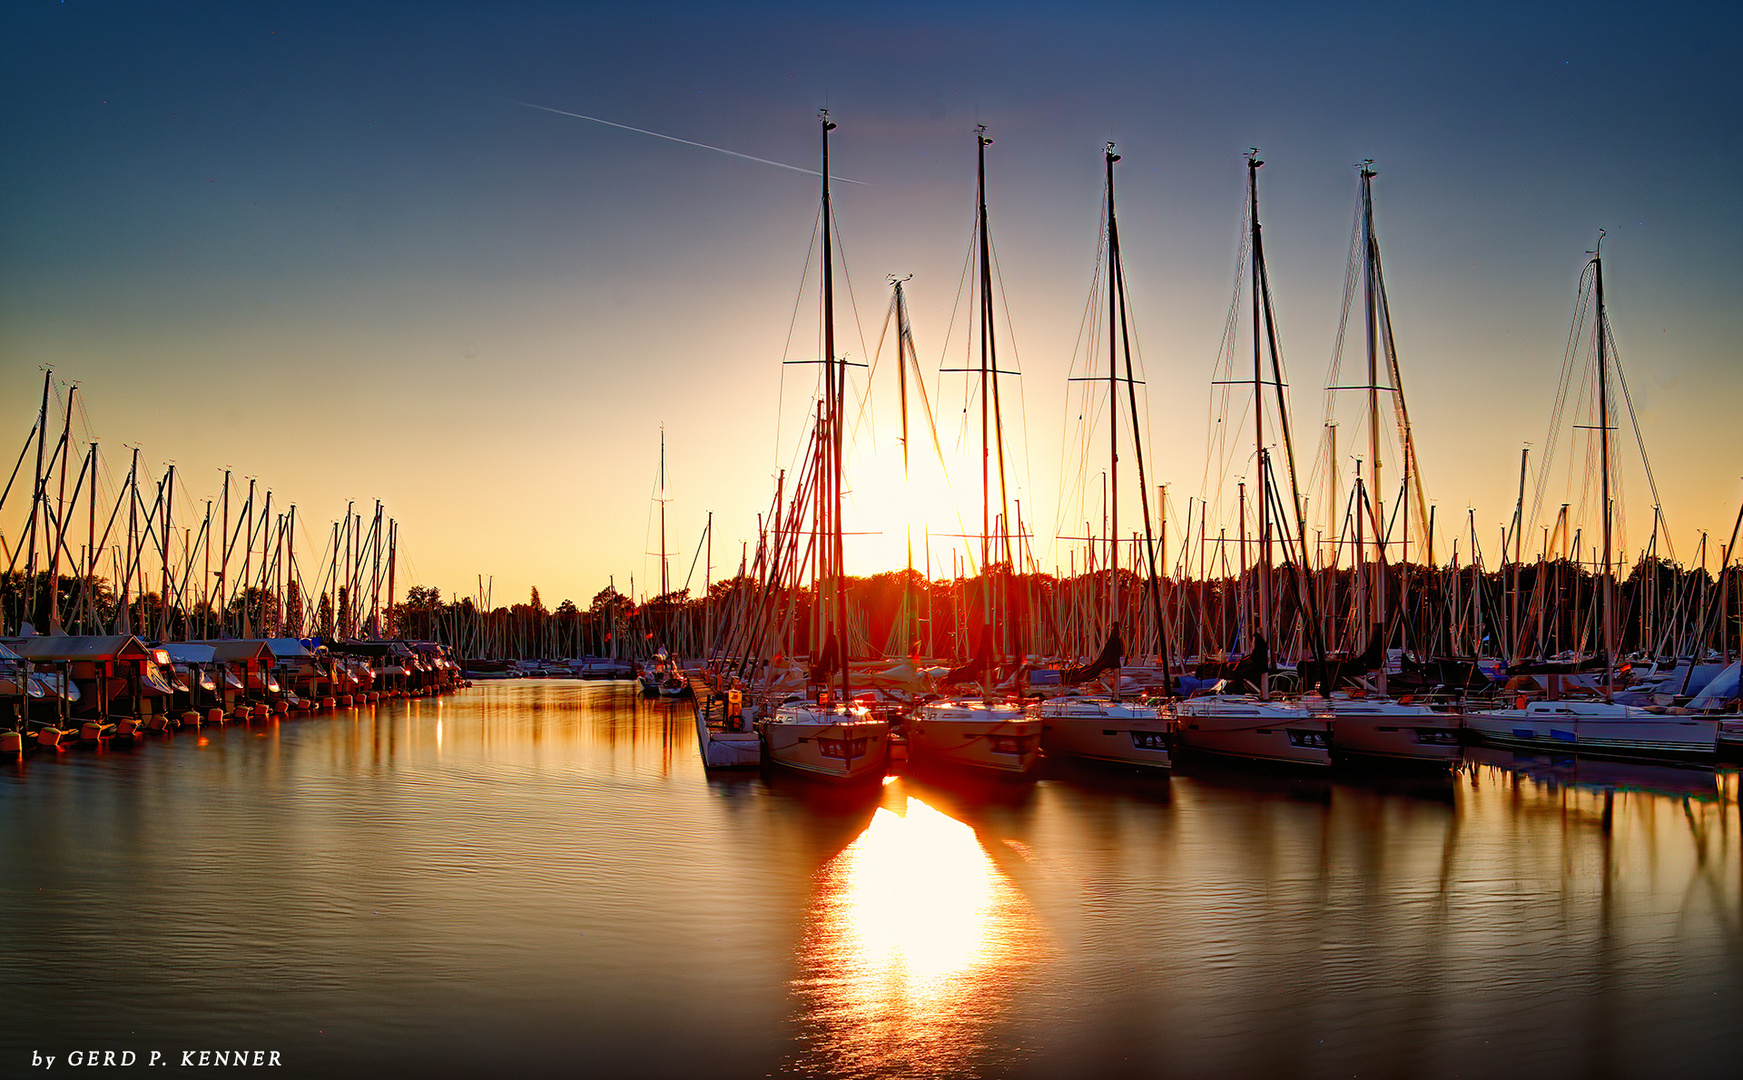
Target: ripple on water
(531, 875)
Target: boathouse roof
(374, 649)
(283, 647)
(66, 647)
(189, 652)
(231, 650)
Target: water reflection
(910, 948)
(538, 879)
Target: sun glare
(886, 510)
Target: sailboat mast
(224, 562)
(38, 493)
(986, 346)
(904, 345)
(665, 577)
(54, 564)
(1362, 606)
(1376, 622)
(88, 602)
(837, 379)
(1515, 635)
(1370, 315)
(988, 373)
(1113, 413)
(169, 494)
(124, 609)
(1608, 583)
(1257, 255)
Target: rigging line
(884, 333)
(1022, 400)
(957, 304)
(1117, 278)
(1222, 372)
(1570, 361)
(686, 142)
(1334, 367)
(1639, 438)
(1401, 409)
(1350, 274)
(700, 541)
(937, 445)
(1279, 374)
(865, 401)
(787, 346)
(871, 375)
(648, 526)
(925, 401)
(962, 285)
(22, 454)
(59, 543)
(1079, 349)
(1584, 391)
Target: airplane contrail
(686, 142)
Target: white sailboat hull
(999, 738)
(1379, 727)
(1105, 731)
(1597, 727)
(837, 745)
(1257, 730)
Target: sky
(331, 247)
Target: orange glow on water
(913, 940)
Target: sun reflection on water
(914, 940)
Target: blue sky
(328, 248)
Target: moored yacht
(1720, 699)
(1253, 727)
(1107, 728)
(829, 741)
(1601, 727)
(997, 736)
(1393, 728)
(1124, 732)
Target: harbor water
(537, 878)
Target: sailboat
(826, 734)
(1256, 725)
(1107, 728)
(1381, 726)
(979, 732)
(661, 675)
(1588, 725)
